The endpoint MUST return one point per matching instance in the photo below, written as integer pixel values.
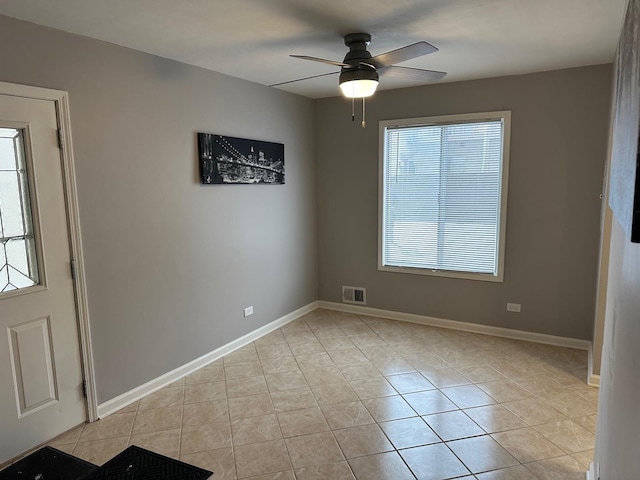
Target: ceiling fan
(360, 72)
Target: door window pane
(18, 263)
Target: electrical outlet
(514, 307)
(248, 311)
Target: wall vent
(357, 295)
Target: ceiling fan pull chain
(363, 122)
(353, 109)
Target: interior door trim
(61, 101)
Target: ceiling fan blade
(305, 78)
(402, 54)
(412, 73)
(316, 59)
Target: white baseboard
(121, 401)
(593, 380)
(463, 326)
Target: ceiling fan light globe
(358, 88)
(359, 82)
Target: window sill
(484, 277)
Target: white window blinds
(442, 196)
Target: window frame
(505, 117)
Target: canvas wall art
(232, 160)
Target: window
(18, 264)
(443, 192)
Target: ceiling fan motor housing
(357, 58)
(360, 73)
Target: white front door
(41, 391)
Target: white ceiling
(252, 39)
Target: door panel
(40, 364)
(32, 362)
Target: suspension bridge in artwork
(223, 162)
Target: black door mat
(48, 463)
(136, 463)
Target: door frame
(61, 101)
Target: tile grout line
(135, 416)
(226, 391)
(184, 397)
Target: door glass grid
(18, 261)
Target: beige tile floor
(339, 396)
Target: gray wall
(618, 429)
(558, 151)
(170, 263)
